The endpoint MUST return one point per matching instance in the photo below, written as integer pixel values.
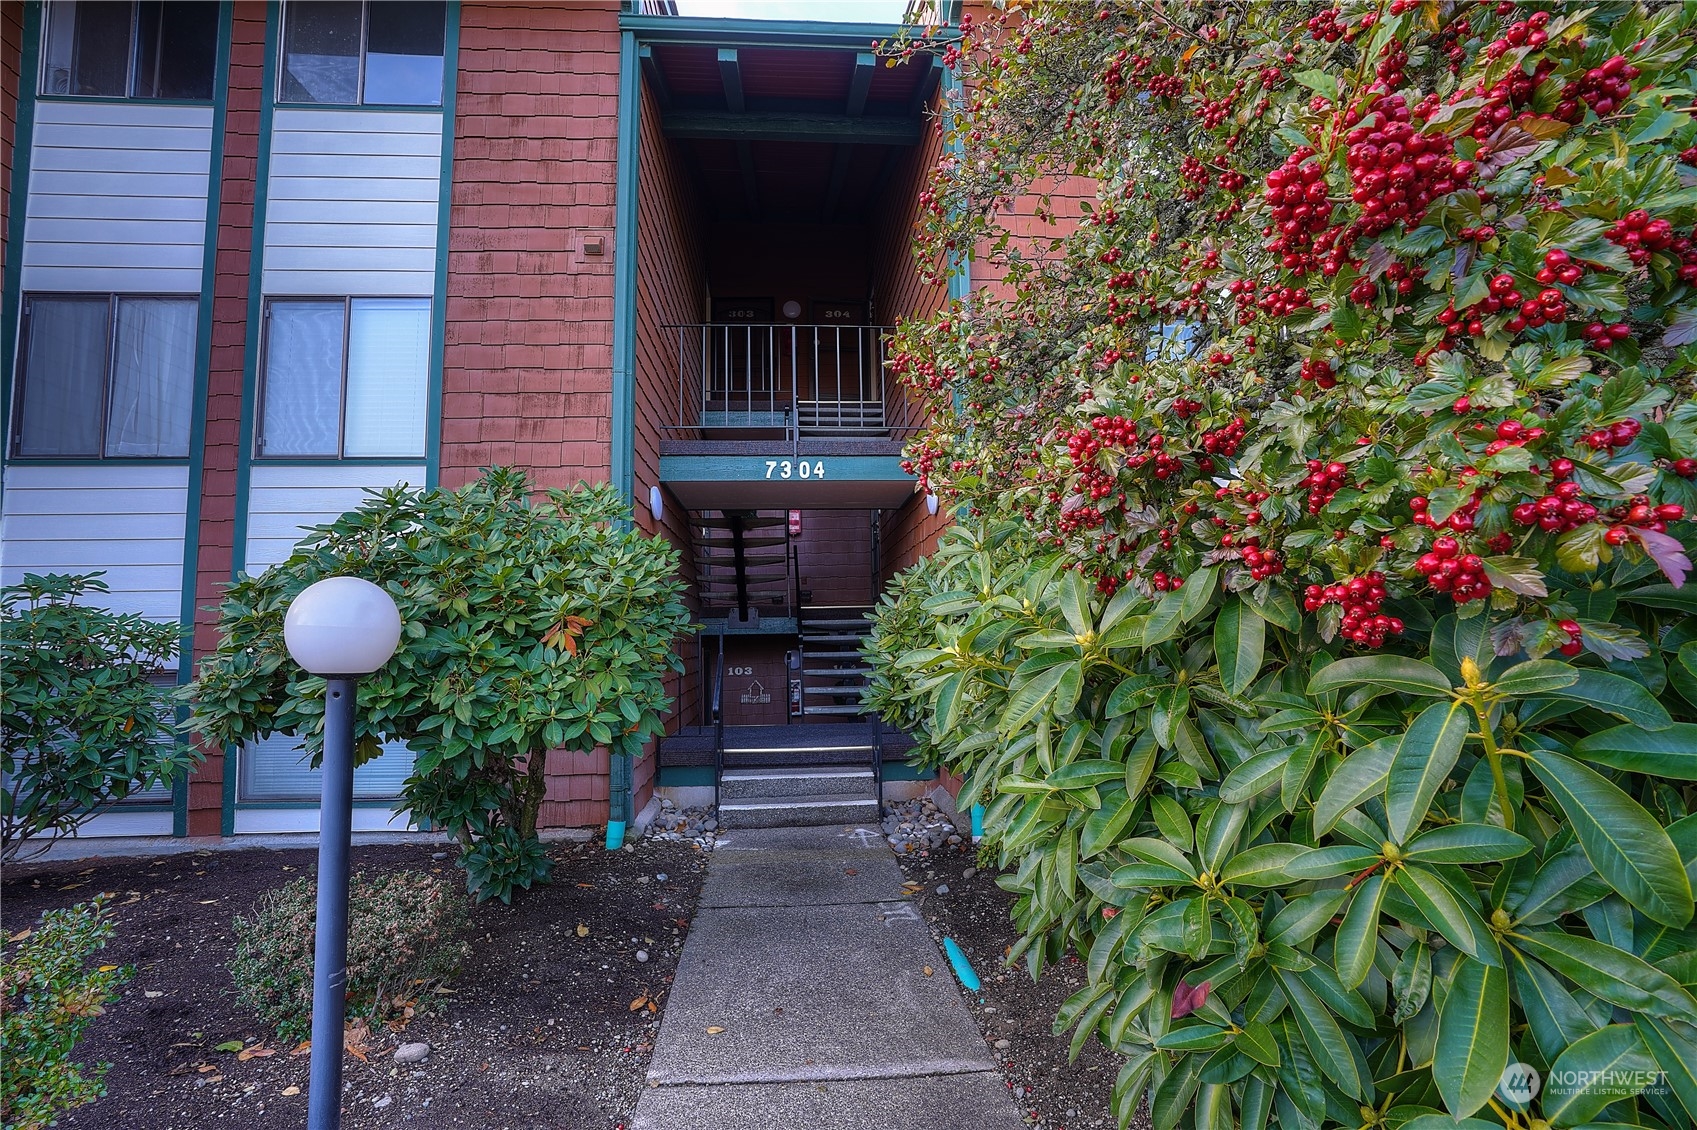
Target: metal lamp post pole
(330, 953)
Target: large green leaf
(1331, 1048)
(1675, 1047)
(1540, 676)
(1025, 703)
(1473, 1028)
(1624, 843)
(1265, 865)
(1105, 825)
(1254, 776)
(1467, 843)
(1553, 1016)
(1659, 753)
(1358, 935)
(1612, 974)
(1361, 775)
(1447, 913)
(1392, 672)
(1592, 1072)
(1614, 694)
(1421, 763)
(1240, 638)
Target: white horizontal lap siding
(126, 519)
(117, 197)
(352, 203)
(283, 501)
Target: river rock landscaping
(550, 1023)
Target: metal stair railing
(718, 726)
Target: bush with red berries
(1346, 425)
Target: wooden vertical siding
(527, 371)
(908, 533)
(834, 556)
(285, 499)
(117, 197)
(124, 519)
(237, 180)
(670, 284)
(352, 202)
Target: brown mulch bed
(538, 1033)
(1015, 1013)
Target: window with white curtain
(106, 376)
(345, 378)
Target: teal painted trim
(302, 805)
(684, 776)
(107, 100)
(23, 145)
(250, 350)
(373, 107)
(622, 459)
(335, 461)
(625, 223)
(754, 33)
(444, 204)
(27, 461)
(902, 771)
(202, 379)
(752, 468)
(960, 261)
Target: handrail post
(718, 725)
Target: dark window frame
(364, 50)
(263, 375)
(131, 63)
(20, 382)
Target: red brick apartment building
(260, 256)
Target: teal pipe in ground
(977, 822)
(963, 968)
(615, 835)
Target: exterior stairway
(786, 798)
(742, 563)
(832, 668)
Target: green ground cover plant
(1316, 632)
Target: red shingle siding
(224, 387)
(527, 371)
(11, 61)
(911, 532)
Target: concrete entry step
(792, 811)
(747, 784)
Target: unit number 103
(787, 469)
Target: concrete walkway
(801, 1000)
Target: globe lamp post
(339, 628)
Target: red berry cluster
(1361, 599)
(1684, 468)
(1449, 570)
(1527, 33)
(1162, 582)
(1559, 266)
(1296, 194)
(1393, 61)
(1324, 28)
(1225, 441)
(1185, 408)
(1323, 481)
(1263, 563)
(1461, 521)
(1604, 89)
(1283, 301)
(1575, 638)
(1508, 98)
(1557, 512)
(1603, 337)
(1320, 371)
(1641, 235)
(1641, 514)
(1396, 171)
(1511, 433)
(1479, 234)
(1196, 177)
(1619, 434)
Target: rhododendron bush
(1316, 630)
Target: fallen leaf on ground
(205, 1067)
(851, 871)
(152, 994)
(301, 1048)
(228, 1046)
(107, 968)
(21, 935)
(291, 1090)
(582, 930)
(929, 971)
(714, 1029)
(255, 1053)
(652, 1007)
(638, 1003)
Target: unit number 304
(786, 469)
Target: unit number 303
(789, 469)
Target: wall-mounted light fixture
(930, 504)
(656, 503)
(792, 309)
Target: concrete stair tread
(833, 710)
(780, 772)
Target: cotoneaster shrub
(1317, 633)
